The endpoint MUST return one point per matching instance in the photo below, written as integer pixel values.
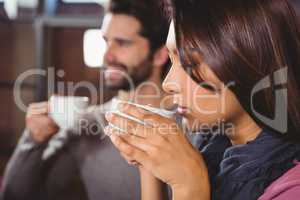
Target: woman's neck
(245, 130)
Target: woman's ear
(161, 57)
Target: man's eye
(124, 43)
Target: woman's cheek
(206, 106)
(203, 118)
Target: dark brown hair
(244, 42)
(154, 22)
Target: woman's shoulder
(286, 187)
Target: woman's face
(203, 108)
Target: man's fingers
(39, 105)
(38, 111)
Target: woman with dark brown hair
(234, 63)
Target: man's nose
(109, 55)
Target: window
(93, 48)
(77, 7)
(85, 1)
(2, 11)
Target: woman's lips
(182, 110)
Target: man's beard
(131, 80)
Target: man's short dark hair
(150, 14)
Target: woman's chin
(191, 126)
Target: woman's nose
(171, 84)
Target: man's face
(127, 56)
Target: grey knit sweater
(78, 163)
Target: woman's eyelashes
(194, 74)
(210, 86)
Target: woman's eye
(204, 84)
(208, 86)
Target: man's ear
(161, 57)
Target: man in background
(47, 158)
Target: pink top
(286, 187)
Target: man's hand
(40, 125)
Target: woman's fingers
(133, 111)
(140, 113)
(156, 134)
(121, 122)
(133, 140)
(128, 125)
(162, 124)
(155, 126)
(129, 160)
(131, 152)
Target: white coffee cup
(67, 110)
(162, 112)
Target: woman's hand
(161, 148)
